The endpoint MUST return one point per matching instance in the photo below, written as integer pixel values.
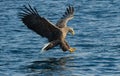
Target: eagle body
(64, 32)
(56, 34)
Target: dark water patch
(116, 46)
(45, 66)
(89, 45)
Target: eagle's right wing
(40, 25)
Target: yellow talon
(72, 50)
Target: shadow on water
(47, 67)
(50, 63)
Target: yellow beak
(73, 33)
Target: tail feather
(49, 45)
(43, 49)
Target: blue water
(97, 40)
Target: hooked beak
(73, 33)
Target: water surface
(97, 40)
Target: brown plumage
(69, 14)
(55, 34)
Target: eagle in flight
(55, 34)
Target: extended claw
(72, 50)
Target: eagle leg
(64, 45)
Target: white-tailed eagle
(55, 34)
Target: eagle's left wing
(69, 14)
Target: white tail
(43, 49)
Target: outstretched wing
(40, 25)
(69, 13)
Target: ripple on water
(96, 24)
